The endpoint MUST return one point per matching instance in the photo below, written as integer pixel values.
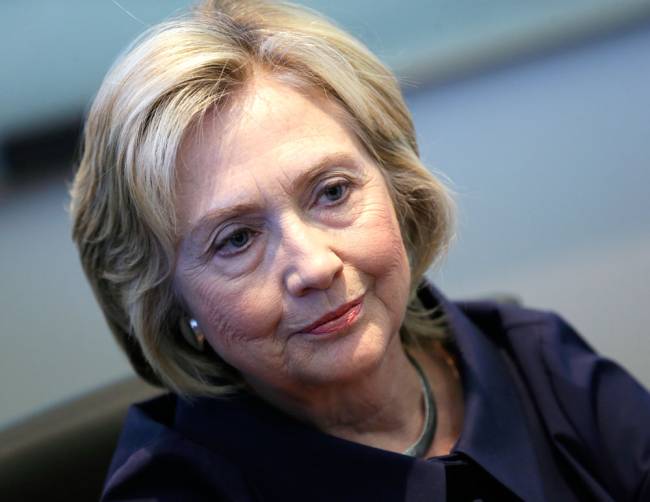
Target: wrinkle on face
(253, 154)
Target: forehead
(266, 117)
(270, 133)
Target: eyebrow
(341, 159)
(302, 179)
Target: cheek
(233, 312)
(378, 240)
(381, 255)
(393, 274)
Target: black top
(545, 419)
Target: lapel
(495, 432)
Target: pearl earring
(192, 333)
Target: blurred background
(537, 114)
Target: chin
(348, 358)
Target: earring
(191, 333)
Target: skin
(284, 218)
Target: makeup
(337, 320)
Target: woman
(253, 217)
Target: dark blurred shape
(43, 153)
(64, 453)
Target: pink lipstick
(337, 320)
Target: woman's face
(291, 258)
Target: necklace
(422, 443)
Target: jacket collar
(494, 434)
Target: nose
(311, 261)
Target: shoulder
(593, 410)
(544, 342)
(537, 339)
(513, 320)
(549, 352)
(153, 461)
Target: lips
(336, 320)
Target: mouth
(336, 320)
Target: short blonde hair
(123, 193)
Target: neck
(375, 409)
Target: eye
(334, 193)
(235, 242)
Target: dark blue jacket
(546, 418)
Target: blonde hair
(123, 193)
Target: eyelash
(223, 243)
(343, 183)
(218, 248)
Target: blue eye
(239, 239)
(235, 242)
(334, 193)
